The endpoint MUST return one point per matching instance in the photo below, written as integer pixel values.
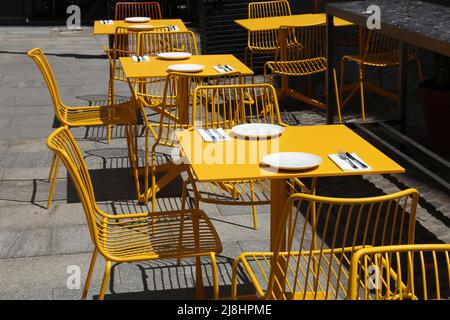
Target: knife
(222, 137)
(210, 134)
(354, 159)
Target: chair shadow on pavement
(166, 280)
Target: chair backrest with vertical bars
(225, 106)
(404, 272)
(167, 116)
(63, 144)
(137, 9)
(301, 43)
(379, 44)
(152, 43)
(265, 9)
(322, 233)
(60, 109)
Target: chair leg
(109, 134)
(50, 174)
(101, 295)
(200, 289)
(254, 210)
(362, 77)
(342, 82)
(419, 69)
(234, 279)
(89, 276)
(215, 276)
(338, 99)
(184, 195)
(52, 187)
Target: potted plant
(435, 97)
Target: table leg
(403, 78)
(331, 102)
(278, 201)
(183, 100)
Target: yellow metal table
(158, 68)
(240, 159)
(109, 29)
(299, 20)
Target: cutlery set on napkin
(349, 161)
(214, 135)
(223, 68)
(106, 21)
(140, 58)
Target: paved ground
(37, 246)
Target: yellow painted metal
(400, 272)
(157, 68)
(161, 119)
(118, 114)
(321, 140)
(300, 53)
(159, 41)
(224, 106)
(138, 236)
(302, 267)
(110, 29)
(264, 41)
(297, 20)
(378, 51)
(137, 9)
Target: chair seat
(383, 59)
(99, 115)
(332, 273)
(298, 67)
(263, 50)
(162, 235)
(235, 192)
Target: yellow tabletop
(298, 20)
(158, 68)
(110, 28)
(240, 159)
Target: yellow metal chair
(301, 53)
(137, 9)
(380, 52)
(161, 120)
(138, 236)
(161, 41)
(264, 42)
(125, 45)
(123, 113)
(404, 272)
(316, 240)
(225, 106)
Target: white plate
(174, 55)
(186, 67)
(257, 130)
(142, 27)
(292, 160)
(137, 19)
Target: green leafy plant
(441, 72)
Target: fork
(344, 157)
(224, 67)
